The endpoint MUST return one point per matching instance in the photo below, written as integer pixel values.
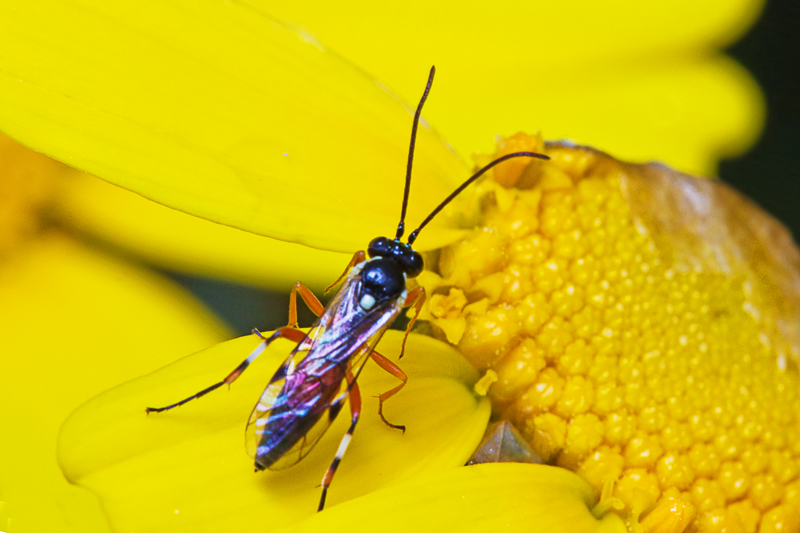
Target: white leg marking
(258, 351)
(343, 445)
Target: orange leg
(357, 258)
(354, 395)
(285, 332)
(308, 297)
(415, 297)
(397, 372)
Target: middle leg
(397, 372)
(308, 297)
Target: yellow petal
(187, 469)
(73, 322)
(229, 116)
(639, 80)
(688, 113)
(390, 40)
(489, 497)
(175, 240)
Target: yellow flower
(191, 115)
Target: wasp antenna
(402, 225)
(478, 174)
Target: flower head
(642, 327)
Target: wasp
(311, 387)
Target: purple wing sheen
(309, 390)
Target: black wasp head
(397, 252)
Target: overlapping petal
(642, 80)
(160, 126)
(186, 470)
(222, 115)
(552, 33)
(177, 241)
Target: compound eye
(412, 264)
(380, 247)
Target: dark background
(769, 173)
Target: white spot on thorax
(367, 301)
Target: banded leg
(397, 372)
(358, 257)
(415, 297)
(308, 297)
(294, 335)
(354, 395)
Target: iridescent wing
(281, 434)
(306, 394)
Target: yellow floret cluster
(671, 385)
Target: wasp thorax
(402, 254)
(382, 279)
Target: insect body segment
(305, 395)
(309, 390)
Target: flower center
(639, 342)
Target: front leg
(415, 297)
(397, 372)
(308, 297)
(357, 258)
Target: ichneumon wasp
(311, 387)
